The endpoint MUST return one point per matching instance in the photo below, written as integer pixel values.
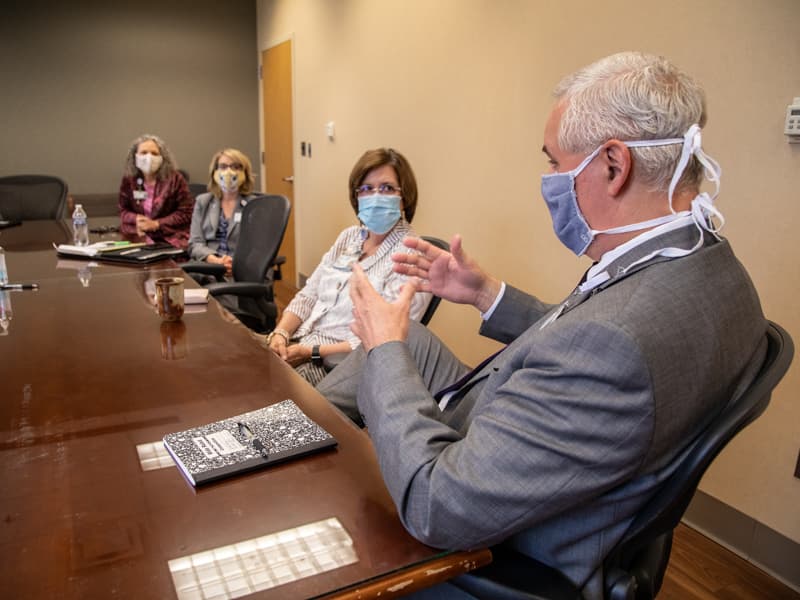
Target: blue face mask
(379, 212)
(558, 190)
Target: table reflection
(173, 340)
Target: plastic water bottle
(3, 271)
(80, 227)
(5, 311)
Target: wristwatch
(316, 358)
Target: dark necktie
(458, 385)
(464, 382)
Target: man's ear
(618, 164)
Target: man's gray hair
(633, 96)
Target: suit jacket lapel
(685, 237)
(214, 210)
(234, 224)
(158, 198)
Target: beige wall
(461, 87)
(79, 81)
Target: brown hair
(372, 159)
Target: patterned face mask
(229, 180)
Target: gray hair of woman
(633, 96)
(168, 164)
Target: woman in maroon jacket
(154, 199)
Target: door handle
(289, 179)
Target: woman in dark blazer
(217, 214)
(154, 199)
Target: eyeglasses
(384, 188)
(225, 167)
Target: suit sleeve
(198, 249)
(515, 313)
(565, 423)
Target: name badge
(237, 217)
(139, 195)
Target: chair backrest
(263, 225)
(195, 189)
(654, 523)
(434, 303)
(32, 197)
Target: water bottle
(3, 272)
(80, 227)
(5, 311)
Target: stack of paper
(195, 296)
(96, 248)
(90, 250)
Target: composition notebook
(246, 442)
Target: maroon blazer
(172, 208)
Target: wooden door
(276, 82)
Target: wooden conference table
(90, 382)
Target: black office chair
(634, 569)
(195, 189)
(263, 225)
(32, 197)
(435, 300)
(332, 360)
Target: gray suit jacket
(205, 222)
(574, 426)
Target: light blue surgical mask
(379, 212)
(558, 190)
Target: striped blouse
(324, 305)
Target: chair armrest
(275, 268)
(205, 268)
(514, 576)
(241, 288)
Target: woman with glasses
(316, 323)
(217, 213)
(154, 199)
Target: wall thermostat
(792, 125)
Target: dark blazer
(575, 425)
(173, 210)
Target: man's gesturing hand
(375, 321)
(452, 275)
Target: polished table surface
(90, 376)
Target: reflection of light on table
(154, 456)
(265, 562)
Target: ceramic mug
(169, 298)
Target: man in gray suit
(552, 446)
